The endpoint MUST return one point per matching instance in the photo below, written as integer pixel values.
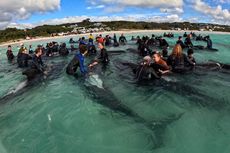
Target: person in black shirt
(180, 42)
(163, 43)
(9, 53)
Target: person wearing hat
(78, 61)
(9, 54)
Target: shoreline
(125, 31)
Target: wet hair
(190, 51)
(179, 37)
(37, 50)
(83, 49)
(9, 46)
(177, 51)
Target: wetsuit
(122, 39)
(188, 42)
(179, 64)
(104, 58)
(77, 61)
(163, 43)
(145, 72)
(10, 55)
(181, 44)
(209, 43)
(37, 67)
(63, 51)
(22, 59)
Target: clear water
(188, 114)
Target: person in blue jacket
(78, 61)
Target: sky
(31, 13)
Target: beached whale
(95, 88)
(53, 72)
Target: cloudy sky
(30, 13)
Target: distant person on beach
(9, 54)
(179, 41)
(122, 39)
(78, 61)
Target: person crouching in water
(36, 67)
(159, 65)
(78, 61)
(178, 60)
(145, 71)
(9, 54)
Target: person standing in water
(37, 65)
(9, 54)
(78, 61)
(209, 43)
(103, 57)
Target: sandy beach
(125, 31)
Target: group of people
(155, 63)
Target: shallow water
(187, 113)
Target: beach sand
(125, 31)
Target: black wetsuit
(63, 51)
(122, 39)
(188, 42)
(36, 67)
(22, 59)
(104, 58)
(181, 44)
(209, 43)
(179, 65)
(10, 55)
(163, 43)
(145, 72)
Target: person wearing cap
(9, 54)
(179, 41)
(78, 61)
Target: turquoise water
(188, 113)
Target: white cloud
(144, 3)
(217, 13)
(95, 7)
(12, 10)
(74, 19)
(172, 6)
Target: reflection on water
(180, 113)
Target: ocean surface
(187, 113)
